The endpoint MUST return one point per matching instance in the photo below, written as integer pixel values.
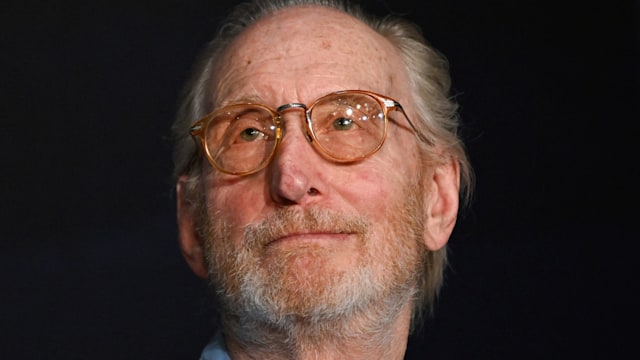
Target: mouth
(311, 227)
(315, 237)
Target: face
(306, 235)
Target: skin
(279, 60)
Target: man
(323, 183)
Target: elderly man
(324, 181)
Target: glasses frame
(198, 129)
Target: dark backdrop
(542, 263)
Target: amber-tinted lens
(241, 138)
(348, 126)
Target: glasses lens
(241, 138)
(348, 126)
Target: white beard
(316, 300)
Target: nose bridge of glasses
(290, 106)
(283, 109)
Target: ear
(442, 188)
(190, 243)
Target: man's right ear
(187, 235)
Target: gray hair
(430, 82)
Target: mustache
(287, 221)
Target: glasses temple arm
(396, 105)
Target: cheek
(370, 191)
(382, 182)
(237, 204)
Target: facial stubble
(278, 292)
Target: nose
(294, 170)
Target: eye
(342, 124)
(249, 125)
(251, 134)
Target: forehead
(300, 53)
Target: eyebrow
(247, 99)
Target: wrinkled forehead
(298, 27)
(313, 40)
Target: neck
(370, 338)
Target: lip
(310, 238)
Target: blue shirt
(215, 349)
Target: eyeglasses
(344, 126)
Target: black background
(542, 264)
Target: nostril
(312, 191)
